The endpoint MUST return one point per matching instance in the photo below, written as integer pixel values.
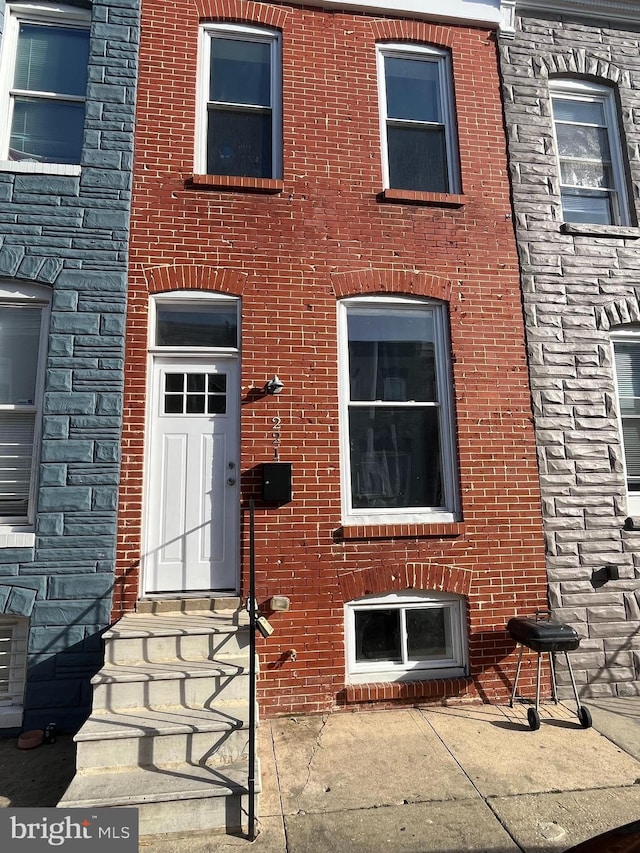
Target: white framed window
(24, 322)
(238, 121)
(419, 139)
(405, 636)
(43, 81)
(13, 664)
(189, 321)
(396, 411)
(589, 151)
(626, 351)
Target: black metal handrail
(251, 607)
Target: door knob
(231, 481)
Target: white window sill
(25, 167)
(17, 538)
(392, 676)
(374, 518)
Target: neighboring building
(322, 194)
(571, 83)
(67, 75)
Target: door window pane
(196, 325)
(195, 393)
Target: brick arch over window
(422, 31)
(427, 576)
(191, 277)
(619, 312)
(242, 10)
(360, 282)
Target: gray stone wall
(71, 233)
(576, 287)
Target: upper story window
(239, 129)
(419, 145)
(592, 181)
(23, 324)
(396, 411)
(43, 81)
(626, 348)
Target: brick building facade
(571, 78)
(67, 78)
(387, 302)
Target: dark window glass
(240, 72)
(239, 143)
(378, 635)
(428, 633)
(413, 89)
(197, 326)
(395, 457)
(417, 158)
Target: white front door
(192, 537)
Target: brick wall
(71, 233)
(576, 287)
(291, 254)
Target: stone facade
(70, 233)
(578, 283)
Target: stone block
(105, 498)
(108, 404)
(50, 524)
(67, 451)
(65, 300)
(72, 323)
(58, 380)
(54, 474)
(73, 614)
(64, 498)
(88, 586)
(107, 220)
(57, 403)
(50, 270)
(55, 427)
(10, 260)
(20, 601)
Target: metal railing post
(252, 674)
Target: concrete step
(179, 798)
(192, 684)
(180, 604)
(144, 737)
(172, 636)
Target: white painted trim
(448, 454)
(359, 672)
(472, 12)
(43, 13)
(619, 11)
(445, 80)
(248, 33)
(592, 92)
(16, 293)
(631, 334)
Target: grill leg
(573, 681)
(515, 680)
(538, 682)
(554, 686)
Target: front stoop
(169, 733)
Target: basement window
(13, 661)
(405, 636)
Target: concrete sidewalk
(438, 780)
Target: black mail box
(276, 482)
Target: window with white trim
(419, 140)
(405, 636)
(43, 81)
(239, 130)
(24, 317)
(626, 349)
(13, 662)
(396, 411)
(589, 151)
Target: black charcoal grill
(542, 635)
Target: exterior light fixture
(274, 386)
